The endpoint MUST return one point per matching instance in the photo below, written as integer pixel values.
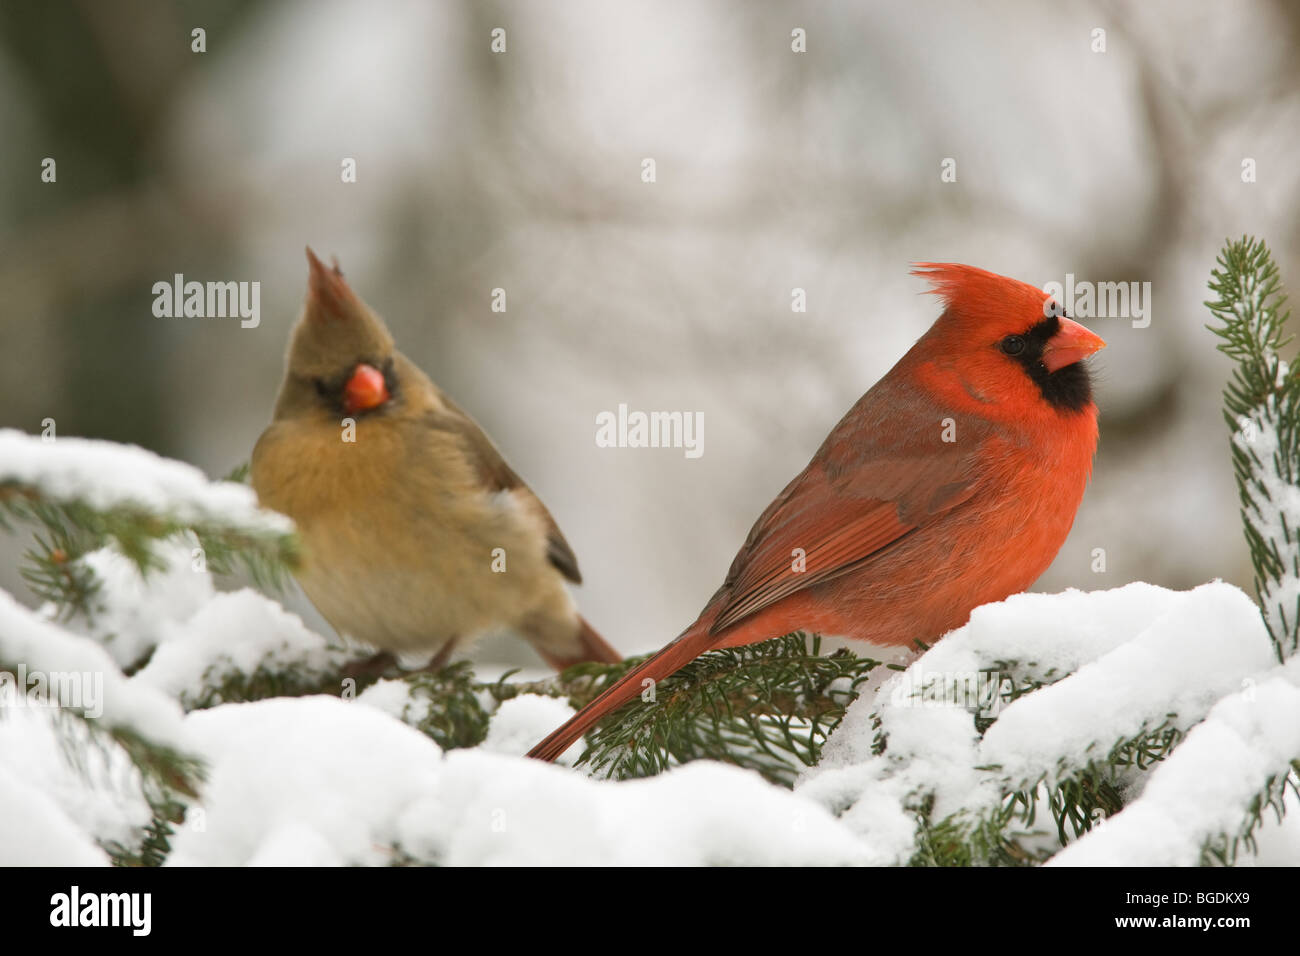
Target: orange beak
(1071, 344)
(365, 389)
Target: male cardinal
(951, 483)
(417, 536)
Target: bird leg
(374, 666)
(377, 665)
(440, 659)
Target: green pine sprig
(1077, 797)
(68, 530)
(1224, 849)
(1262, 397)
(768, 707)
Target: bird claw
(374, 666)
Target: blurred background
(522, 170)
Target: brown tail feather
(680, 652)
(591, 647)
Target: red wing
(837, 524)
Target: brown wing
(860, 495)
(497, 475)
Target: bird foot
(374, 666)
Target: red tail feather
(686, 648)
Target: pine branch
(768, 707)
(1262, 408)
(453, 713)
(170, 780)
(1077, 795)
(1077, 799)
(165, 777)
(83, 495)
(231, 686)
(988, 840)
(1225, 849)
(268, 568)
(1082, 797)
(73, 529)
(52, 569)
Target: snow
(198, 637)
(516, 725)
(236, 633)
(1203, 789)
(1134, 654)
(43, 647)
(36, 832)
(1278, 840)
(1277, 504)
(100, 790)
(108, 475)
(312, 780)
(495, 810)
(521, 721)
(394, 697)
(132, 612)
(322, 781)
(1206, 643)
(42, 794)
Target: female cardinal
(417, 536)
(953, 482)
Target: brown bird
(417, 535)
(951, 483)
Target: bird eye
(1013, 344)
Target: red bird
(952, 483)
